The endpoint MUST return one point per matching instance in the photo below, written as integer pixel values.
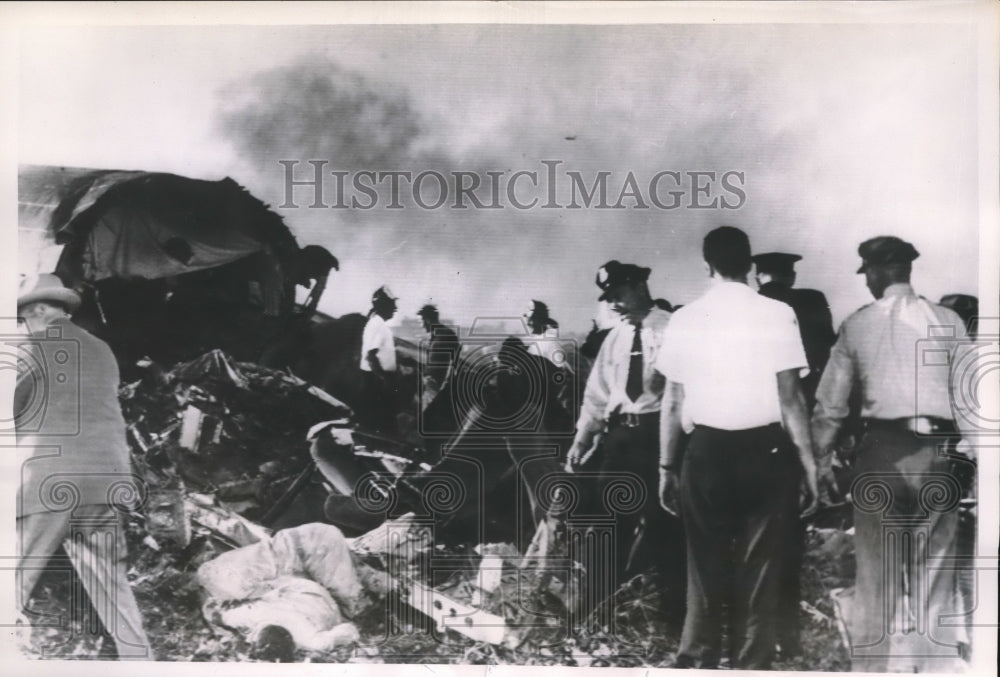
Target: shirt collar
(899, 289)
(729, 286)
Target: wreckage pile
(220, 443)
(214, 428)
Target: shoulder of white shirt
(707, 301)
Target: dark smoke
(319, 110)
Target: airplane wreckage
(240, 406)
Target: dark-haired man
(732, 361)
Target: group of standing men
(718, 395)
(738, 398)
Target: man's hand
(967, 449)
(578, 456)
(372, 358)
(809, 502)
(669, 490)
(828, 491)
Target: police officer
(967, 308)
(904, 494)
(621, 410)
(776, 280)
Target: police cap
(615, 273)
(885, 249)
(776, 263)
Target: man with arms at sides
(442, 351)
(731, 361)
(378, 364)
(904, 492)
(775, 273)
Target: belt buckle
(923, 425)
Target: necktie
(633, 385)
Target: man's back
(726, 348)
(78, 433)
(443, 349)
(898, 348)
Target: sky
(841, 132)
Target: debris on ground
(224, 445)
(234, 430)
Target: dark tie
(633, 386)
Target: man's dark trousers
(735, 504)
(789, 623)
(633, 452)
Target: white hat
(383, 293)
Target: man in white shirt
(731, 361)
(620, 414)
(888, 350)
(378, 363)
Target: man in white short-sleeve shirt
(732, 360)
(378, 363)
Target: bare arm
(796, 423)
(832, 398)
(671, 429)
(671, 432)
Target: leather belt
(922, 425)
(630, 420)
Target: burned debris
(253, 469)
(278, 525)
